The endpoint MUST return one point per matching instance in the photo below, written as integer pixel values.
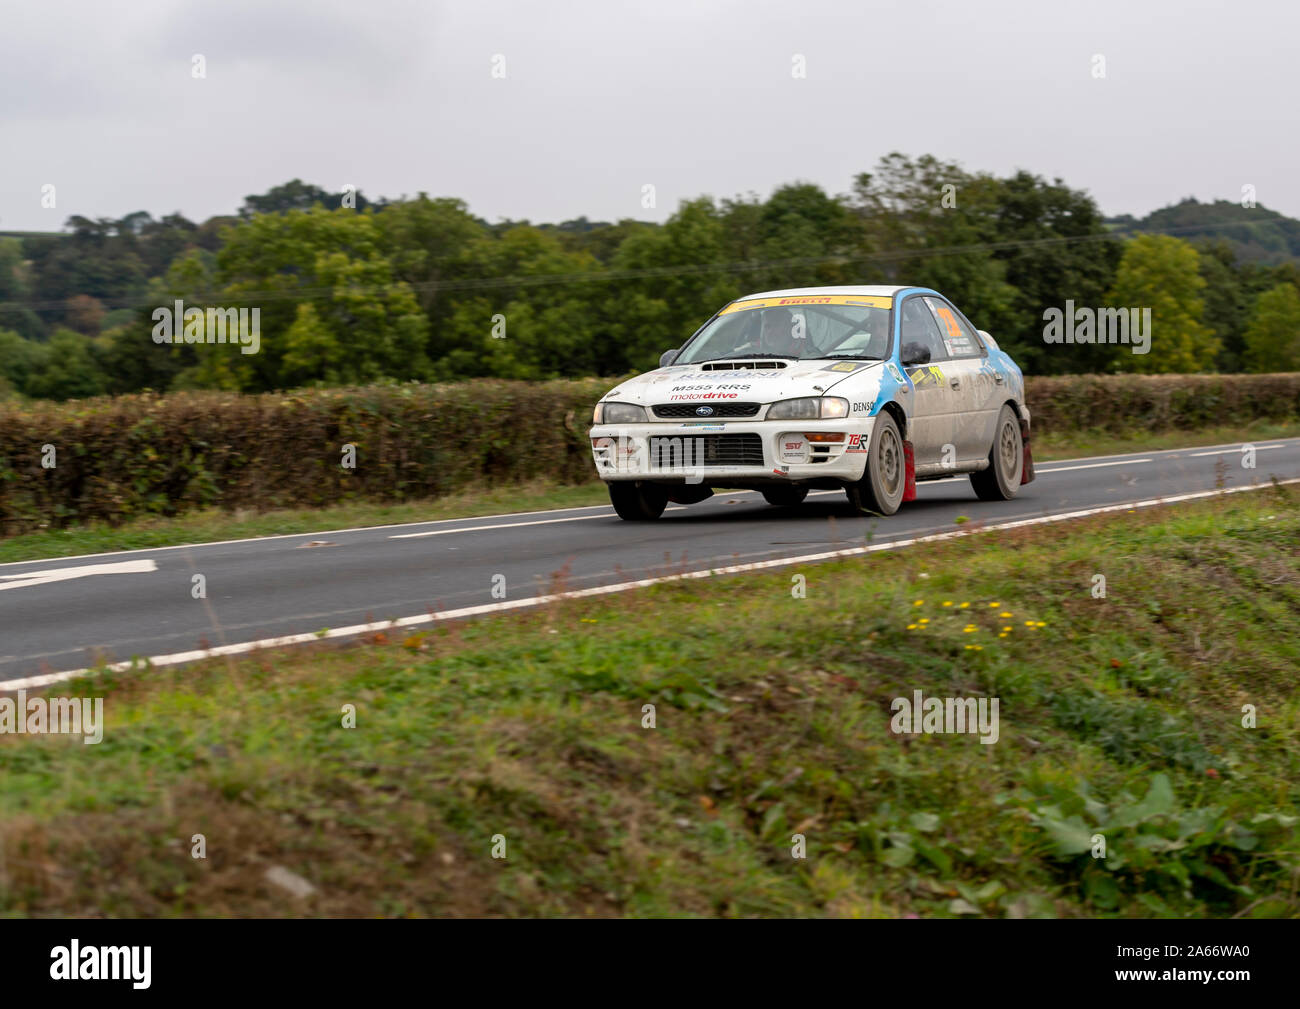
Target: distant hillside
(1256, 233)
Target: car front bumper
(732, 451)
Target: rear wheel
(637, 502)
(880, 491)
(1001, 480)
(785, 497)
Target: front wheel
(880, 491)
(1001, 479)
(637, 502)
(785, 497)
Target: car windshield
(829, 326)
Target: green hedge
(1129, 403)
(130, 455)
(122, 457)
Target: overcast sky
(601, 98)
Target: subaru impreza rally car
(868, 389)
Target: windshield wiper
(857, 357)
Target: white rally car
(869, 389)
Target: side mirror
(667, 358)
(914, 353)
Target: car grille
(689, 451)
(677, 411)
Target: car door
(932, 407)
(976, 392)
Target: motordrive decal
(863, 300)
(693, 396)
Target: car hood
(691, 384)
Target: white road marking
(1167, 451)
(511, 525)
(48, 575)
(1237, 450)
(500, 525)
(1094, 465)
(245, 647)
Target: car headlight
(808, 408)
(618, 413)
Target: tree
(68, 367)
(85, 314)
(1162, 274)
(1273, 335)
(1050, 241)
(20, 359)
(927, 223)
(297, 195)
(334, 260)
(12, 286)
(537, 291)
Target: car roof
(879, 290)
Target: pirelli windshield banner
(860, 300)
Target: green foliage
(1273, 335)
(142, 454)
(70, 365)
(420, 288)
(1153, 849)
(1162, 274)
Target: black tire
(1001, 479)
(785, 497)
(880, 491)
(637, 502)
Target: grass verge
(212, 525)
(1120, 721)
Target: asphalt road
(67, 614)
